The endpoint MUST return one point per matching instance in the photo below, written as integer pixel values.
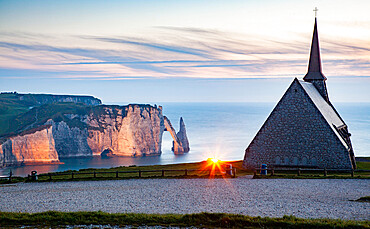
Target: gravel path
(327, 198)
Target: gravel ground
(329, 198)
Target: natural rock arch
(180, 141)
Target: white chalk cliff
(133, 130)
(36, 146)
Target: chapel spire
(314, 73)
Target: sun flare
(215, 160)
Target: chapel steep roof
(314, 66)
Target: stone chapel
(304, 129)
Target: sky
(182, 51)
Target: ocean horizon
(221, 130)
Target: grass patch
(10, 107)
(39, 115)
(203, 220)
(363, 165)
(201, 167)
(178, 171)
(111, 173)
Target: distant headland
(42, 128)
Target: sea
(215, 130)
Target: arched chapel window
(295, 161)
(304, 161)
(314, 161)
(286, 160)
(277, 160)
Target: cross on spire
(315, 10)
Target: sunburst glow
(214, 166)
(215, 160)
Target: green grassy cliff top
(24, 112)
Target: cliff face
(70, 141)
(133, 130)
(32, 147)
(49, 99)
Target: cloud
(162, 47)
(174, 52)
(345, 47)
(83, 52)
